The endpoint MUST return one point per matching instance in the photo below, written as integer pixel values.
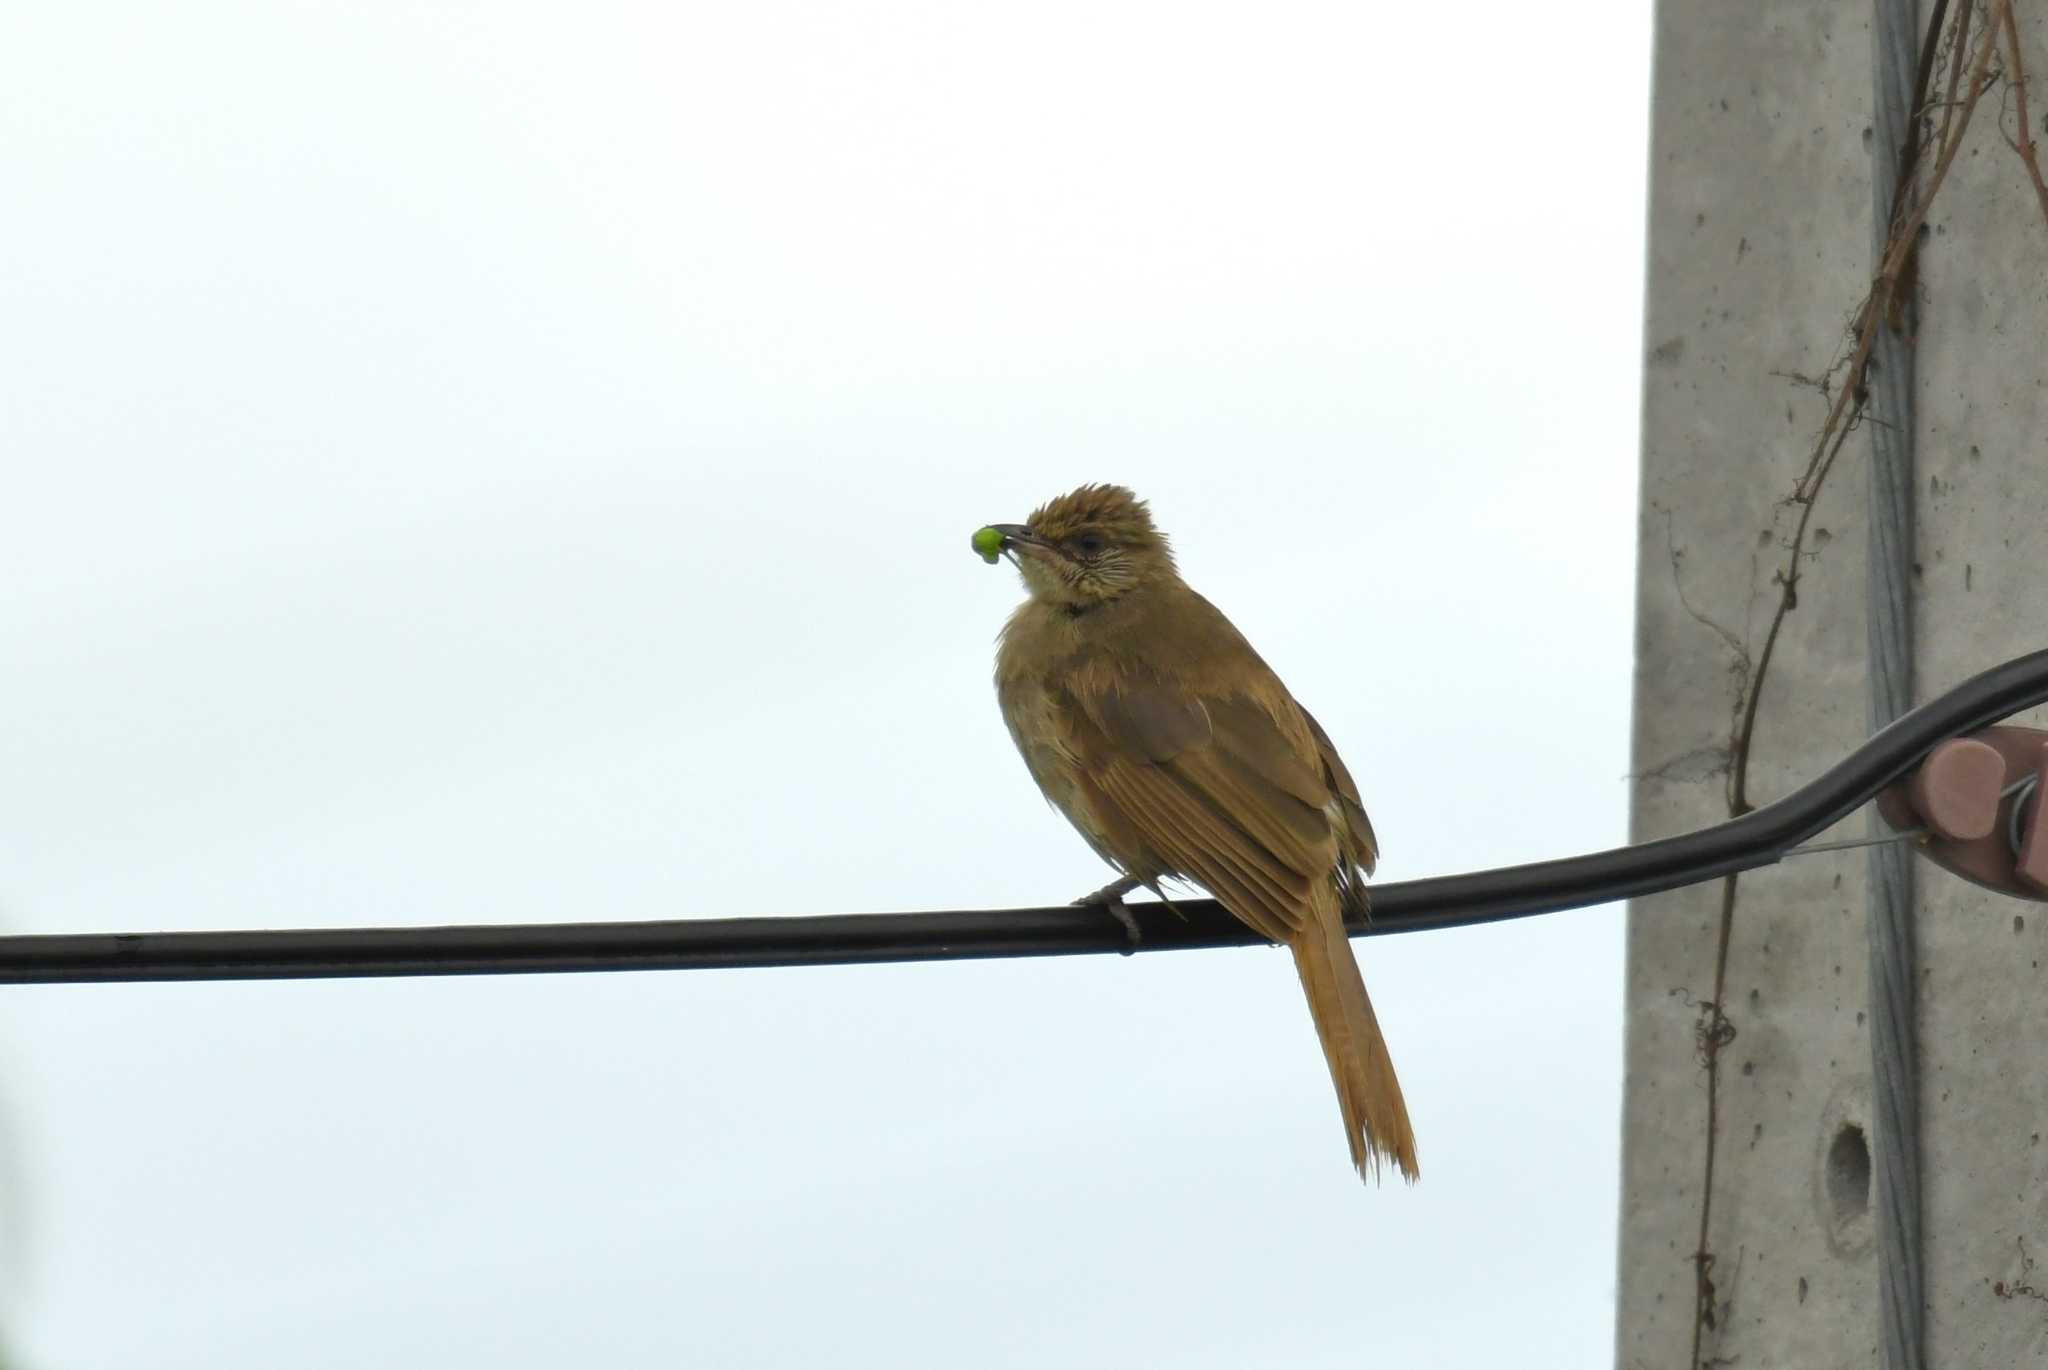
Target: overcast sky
(514, 462)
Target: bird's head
(1087, 547)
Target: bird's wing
(1227, 789)
(1363, 847)
(1358, 849)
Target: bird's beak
(1019, 538)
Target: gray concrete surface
(1758, 254)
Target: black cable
(1447, 901)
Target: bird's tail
(1375, 1116)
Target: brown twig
(1909, 157)
(2025, 146)
(1957, 46)
(1870, 315)
(1714, 1033)
(1930, 45)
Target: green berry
(989, 543)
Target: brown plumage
(1150, 722)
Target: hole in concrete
(1848, 1174)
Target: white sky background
(506, 462)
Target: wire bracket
(1977, 798)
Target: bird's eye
(1088, 544)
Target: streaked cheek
(1037, 575)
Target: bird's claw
(1110, 899)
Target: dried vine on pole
(1969, 78)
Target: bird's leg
(1111, 899)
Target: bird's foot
(1110, 898)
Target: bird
(1147, 719)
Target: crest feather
(1112, 510)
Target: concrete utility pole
(1759, 254)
